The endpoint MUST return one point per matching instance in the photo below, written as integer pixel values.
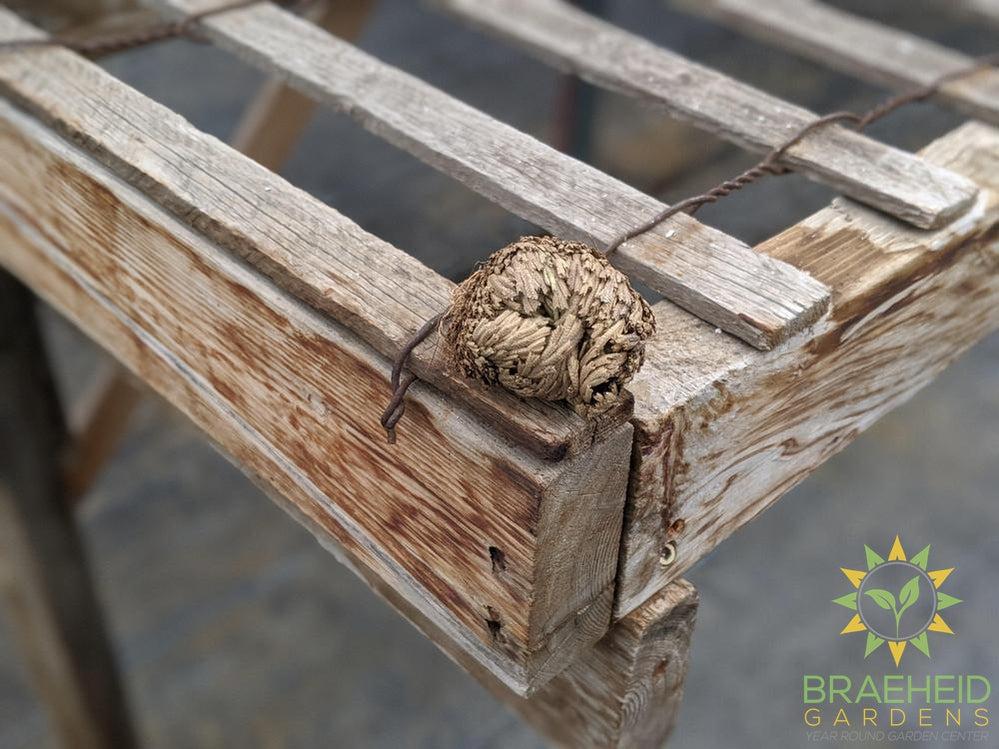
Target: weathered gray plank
(713, 275)
(513, 556)
(723, 431)
(987, 10)
(873, 173)
(380, 292)
(866, 49)
(50, 597)
(63, 15)
(268, 131)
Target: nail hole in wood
(668, 555)
(678, 525)
(494, 624)
(498, 558)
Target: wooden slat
(723, 431)
(267, 133)
(713, 275)
(871, 172)
(52, 605)
(62, 15)
(294, 397)
(860, 47)
(381, 293)
(987, 10)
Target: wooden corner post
(514, 555)
(626, 692)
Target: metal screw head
(668, 555)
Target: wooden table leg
(625, 694)
(46, 583)
(277, 116)
(102, 421)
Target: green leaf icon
(908, 595)
(882, 598)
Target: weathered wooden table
(541, 551)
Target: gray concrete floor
(236, 630)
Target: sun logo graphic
(897, 601)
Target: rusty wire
(771, 165)
(105, 44)
(401, 379)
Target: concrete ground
(235, 629)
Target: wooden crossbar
(380, 292)
(873, 173)
(746, 426)
(713, 275)
(866, 49)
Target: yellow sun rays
(855, 625)
(938, 576)
(897, 553)
(897, 648)
(854, 576)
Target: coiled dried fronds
(549, 319)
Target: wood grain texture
(866, 49)
(626, 692)
(723, 431)
(278, 115)
(873, 173)
(267, 133)
(64, 15)
(513, 556)
(701, 269)
(51, 602)
(379, 292)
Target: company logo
(897, 601)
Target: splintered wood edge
(711, 274)
(723, 431)
(641, 661)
